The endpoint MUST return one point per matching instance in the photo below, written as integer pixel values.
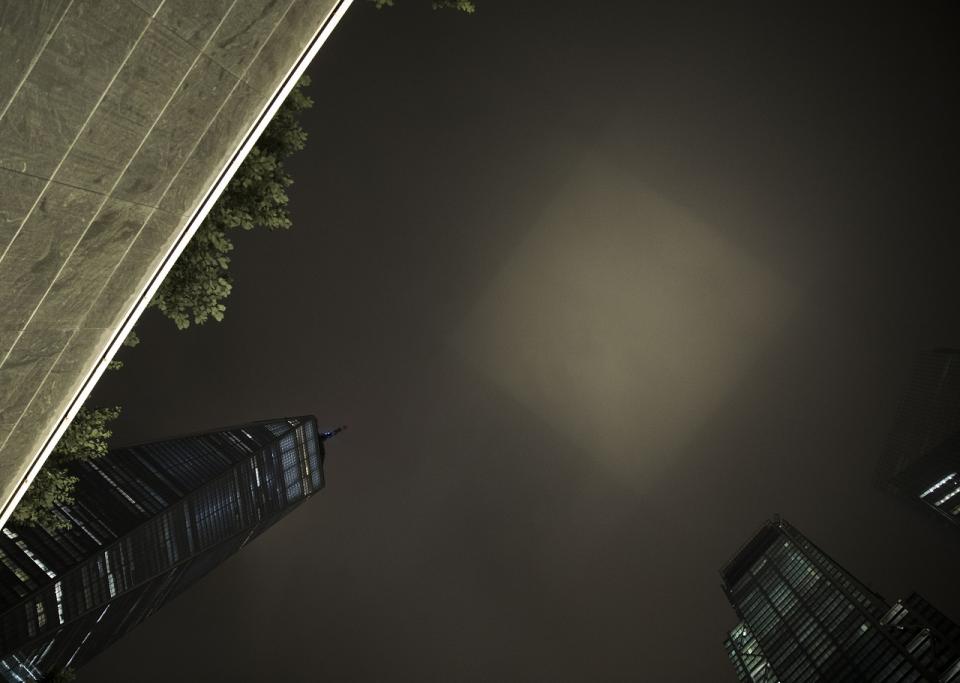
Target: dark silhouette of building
(804, 618)
(922, 459)
(146, 523)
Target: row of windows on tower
(141, 531)
(804, 618)
(942, 494)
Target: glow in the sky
(622, 320)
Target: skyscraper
(147, 522)
(804, 618)
(922, 459)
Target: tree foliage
(198, 283)
(86, 438)
(132, 339)
(62, 676)
(52, 487)
(461, 5)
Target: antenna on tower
(332, 433)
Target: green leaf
(85, 439)
(199, 282)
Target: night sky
(598, 287)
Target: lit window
(114, 484)
(26, 551)
(948, 496)
(20, 574)
(940, 483)
(58, 589)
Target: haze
(598, 288)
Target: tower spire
(332, 433)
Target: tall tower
(922, 459)
(147, 522)
(805, 618)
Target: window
(947, 497)
(950, 477)
(26, 551)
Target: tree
(62, 676)
(462, 5)
(131, 341)
(85, 439)
(53, 486)
(87, 436)
(198, 283)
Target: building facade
(804, 618)
(147, 522)
(121, 122)
(922, 459)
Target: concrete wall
(117, 117)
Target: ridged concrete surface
(116, 117)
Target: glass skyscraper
(147, 522)
(804, 618)
(922, 459)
